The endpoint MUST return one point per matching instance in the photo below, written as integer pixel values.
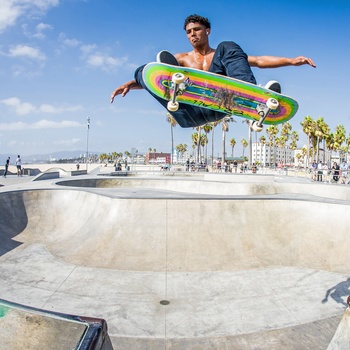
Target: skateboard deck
(217, 93)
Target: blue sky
(61, 59)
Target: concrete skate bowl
(181, 273)
(217, 185)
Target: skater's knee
(228, 45)
(138, 75)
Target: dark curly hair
(197, 19)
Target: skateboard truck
(177, 79)
(263, 110)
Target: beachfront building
(157, 158)
(263, 154)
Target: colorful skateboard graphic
(219, 93)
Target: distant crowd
(335, 174)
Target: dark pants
(229, 60)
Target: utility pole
(87, 143)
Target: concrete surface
(38, 330)
(24, 327)
(341, 339)
(212, 262)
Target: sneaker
(167, 57)
(274, 86)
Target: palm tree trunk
(212, 148)
(223, 151)
(172, 144)
(250, 147)
(198, 144)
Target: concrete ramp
(87, 229)
(169, 269)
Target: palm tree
(347, 141)
(225, 129)
(293, 143)
(207, 128)
(195, 144)
(285, 133)
(170, 119)
(102, 157)
(181, 148)
(262, 140)
(308, 128)
(272, 131)
(203, 142)
(244, 144)
(339, 138)
(232, 144)
(325, 129)
(304, 153)
(278, 144)
(114, 156)
(249, 142)
(321, 131)
(330, 143)
(127, 154)
(214, 124)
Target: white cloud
(26, 51)
(68, 41)
(12, 10)
(40, 29)
(96, 59)
(41, 124)
(86, 49)
(23, 108)
(47, 108)
(67, 142)
(49, 124)
(8, 14)
(106, 62)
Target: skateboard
(182, 85)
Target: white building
(261, 154)
(285, 155)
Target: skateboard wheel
(272, 103)
(173, 106)
(255, 127)
(178, 78)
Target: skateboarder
(228, 59)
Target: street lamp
(87, 143)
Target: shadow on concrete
(13, 220)
(337, 292)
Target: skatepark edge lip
(243, 227)
(66, 331)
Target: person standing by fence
(319, 171)
(335, 171)
(7, 164)
(19, 165)
(343, 173)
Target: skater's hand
(124, 89)
(121, 90)
(301, 60)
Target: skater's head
(197, 19)
(197, 30)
